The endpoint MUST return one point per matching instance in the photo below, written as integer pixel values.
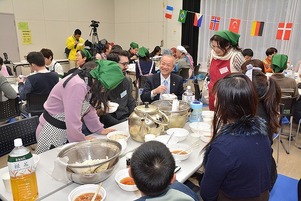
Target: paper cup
(6, 181)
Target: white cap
(182, 49)
(18, 142)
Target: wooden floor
(289, 164)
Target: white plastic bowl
(123, 174)
(117, 135)
(208, 114)
(200, 126)
(87, 188)
(180, 147)
(164, 139)
(205, 139)
(180, 133)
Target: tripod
(95, 40)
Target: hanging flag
(234, 25)
(284, 31)
(182, 16)
(168, 12)
(197, 19)
(257, 28)
(214, 23)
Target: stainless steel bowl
(178, 118)
(91, 161)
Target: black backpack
(67, 51)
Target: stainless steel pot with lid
(146, 119)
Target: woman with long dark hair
(269, 95)
(238, 158)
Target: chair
(184, 73)
(297, 135)
(287, 92)
(35, 102)
(196, 70)
(25, 129)
(9, 109)
(288, 103)
(277, 135)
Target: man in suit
(163, 82)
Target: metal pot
(146, 119)
(178, 118)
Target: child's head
(152, 168)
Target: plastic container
(196, 114)
(188, 95)
(22, 173)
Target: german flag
(257, 28)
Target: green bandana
(87, 55)
(108, 73)
(229, 36)
(142, 52)
(134, 45)
(279, 62)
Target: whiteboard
(8, 37)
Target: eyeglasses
(124, 63)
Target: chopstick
(97, 191)
(170, 137)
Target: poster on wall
(26, 37)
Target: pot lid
(147, 108)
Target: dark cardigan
(238, 162)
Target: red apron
(218, 70)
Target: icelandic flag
(197, 19)
(168, 12)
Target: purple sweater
(69, 101)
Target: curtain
(271, 12)
(190, 33)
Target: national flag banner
(234, 25)
(214, 23)
(284, 31)
(257, 28)
(168, 12)
(197, 22)
(182, 16)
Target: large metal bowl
(178, 118)
(91, 161)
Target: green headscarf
(279, 62)
(142, 52)
(134, 45)
(87, 55)
(229, 36)
(108, 73)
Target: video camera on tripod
(94, 24)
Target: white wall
(121, 21)
(144, 22)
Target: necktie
(165, 83)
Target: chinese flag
(234, 25)
(284, 31)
